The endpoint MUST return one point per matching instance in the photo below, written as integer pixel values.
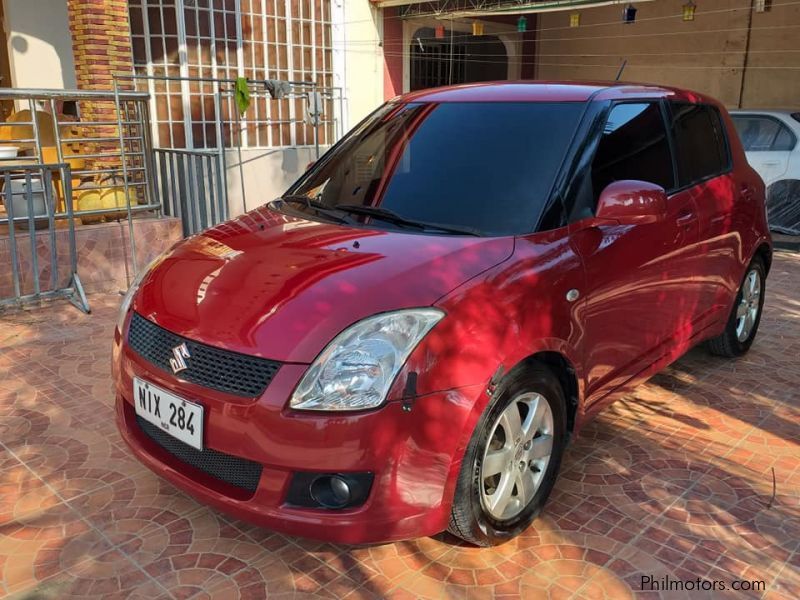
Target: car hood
(281, 287)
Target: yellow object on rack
(90, 200)
(115, 198)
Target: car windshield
(480, 168)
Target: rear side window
(700, 145)
(756, 133)
(763, 134)
(634, 145)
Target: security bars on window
(289, 40)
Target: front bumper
(414, 455)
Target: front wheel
(742, 325)
(512, 461)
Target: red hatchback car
(406, 340)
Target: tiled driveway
(676, 480)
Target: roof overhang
(483, 8)
(390, 3)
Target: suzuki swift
(406, 340)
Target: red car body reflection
(281, 287)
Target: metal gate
(437, 64)
(30, 201)
(192, 186)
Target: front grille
(214, 368)
(239, 472)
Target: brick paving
(676, 480)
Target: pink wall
(393, 60)
(103, 254)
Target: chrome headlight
(127, 299)
(356, 370)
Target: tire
(536, 393)
(737, 338)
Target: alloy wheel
(749, 305)
(516, 456)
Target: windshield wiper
(316, 206)
(390, 216)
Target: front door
(641, 300)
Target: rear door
(768, 144)
(640, 297)
(724, 204)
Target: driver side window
(634, 145)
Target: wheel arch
(564, 371)
(764, 252)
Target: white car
(771, 140)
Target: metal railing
(114, 172)
(28, 193)
(191, 182)
(192, 187)
(105, 139)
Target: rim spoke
(541, 447)
(744, 329)
(534, 419)
(495, 462)
(741, 310)
(511, 423)
(526, 487)
(750, 320)
(502, 495)
(753, 283)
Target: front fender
(510, 313)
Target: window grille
(289, 40)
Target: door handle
(746, 191)
(686, 220)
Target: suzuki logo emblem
(179, 356)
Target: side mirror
(631, 202)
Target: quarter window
(784, 141)
(700, 145)
(634, 145)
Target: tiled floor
(695, 475)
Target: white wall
(39, 44)
(357, 33)
(267, 174)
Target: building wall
(394, 48)
(39, 45)
(101, 42)
(707, 54)
(268, 172)
(363, 59)
(356, 28)
(774, 88)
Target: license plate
(170, 413)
